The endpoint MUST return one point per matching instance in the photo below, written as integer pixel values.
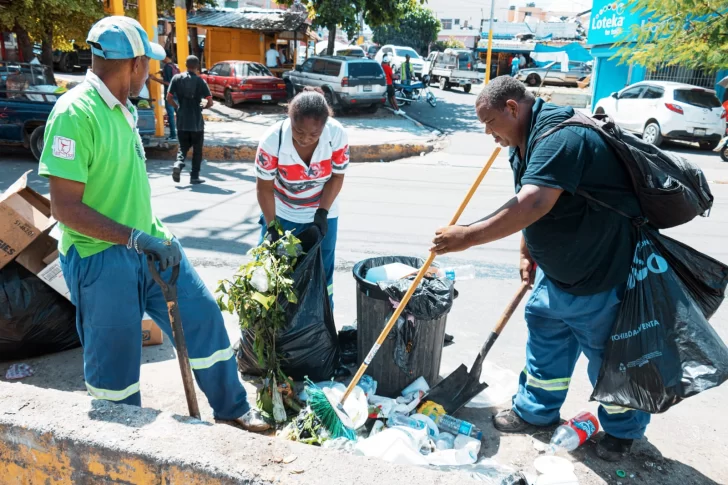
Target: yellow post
(490, 43)
(180, 28)
(148, 19)
(114, 7)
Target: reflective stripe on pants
(560, 327)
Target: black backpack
(671, 191)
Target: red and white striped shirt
(298, 187)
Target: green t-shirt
(90, 138)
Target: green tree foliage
(56, 24)
(418, 28)
(687, 32)
(451, 43)
(346, 14)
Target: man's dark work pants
(187, 140)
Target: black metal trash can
(373, 309)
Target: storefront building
(612, 22)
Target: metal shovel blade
(456, 390)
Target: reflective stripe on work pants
(560, 327)
(110, 395)
(207, 362)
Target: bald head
(497, 92)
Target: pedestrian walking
(101, 196)
(189, 89)
(387, 68)
(300, 167)
(583, 253)
(169, 70)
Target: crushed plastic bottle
(396, 419)
(458, 426)
(457, 273)
(445, 441)
(574, 433)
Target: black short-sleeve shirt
(582, 247)
(190, 90)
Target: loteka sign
(611, 21)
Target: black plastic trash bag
(309, 345)
(432, 299)
(662, 348)
(34, 318)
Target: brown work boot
(507, 421)
(251, 421)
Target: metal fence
(679, 74)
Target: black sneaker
(613, 449)
(176, 173)
(196, 181)
(507, 421)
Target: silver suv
(347, 82)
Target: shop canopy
(544, 54)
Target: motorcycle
(407, 94)
(722, 148)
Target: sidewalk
(232, 134)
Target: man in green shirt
(101, 197)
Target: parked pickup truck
(453, 69)
(27, 96)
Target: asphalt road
(394, 209)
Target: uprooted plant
(257, 294)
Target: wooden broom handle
(420, 274)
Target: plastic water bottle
(574, 433)
(396, 419)
(458, 426)
(457, 273)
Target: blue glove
(167, 252)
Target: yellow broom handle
(400, 308)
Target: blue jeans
(560, 327)
(170, 117)
(111, 291)
(328, 246)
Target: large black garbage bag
(309, 344)
(662, 348)
(34, 318)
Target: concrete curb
(383, 152)
(54, 437)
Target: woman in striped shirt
(300, 168)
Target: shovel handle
(169, 288)
(420, 274)
(502, 321)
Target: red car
(240, 81)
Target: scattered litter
(297, 471)
(488, 471)
(341, 444)
(659, 468)
(376, 428)
(550, 464)
(539, 446)
(432, 430)
(19, 371)
(420, 384)
(566, 478)
(649, 464)
(620, 473)
(445, 441)
(631, 475)
(396, 445)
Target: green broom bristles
(326, 412)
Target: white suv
(397, 57)
(660, 110)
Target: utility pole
(180, 29)
(490, 43)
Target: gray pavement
(394, 208)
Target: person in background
(387, 68)
(522, 63)
(515, 63)
(101, 197)
(407, 72)
(272, 57)
(300, 167)
(190, 89)
(169, 70)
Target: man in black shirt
(190, 90)
(582, 250)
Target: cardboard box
(25, 215)
(151, 333)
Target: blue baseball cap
(119, 37)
